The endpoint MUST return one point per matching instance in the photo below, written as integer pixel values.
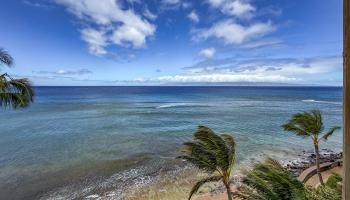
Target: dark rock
(308, 159)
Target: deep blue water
(70, 127)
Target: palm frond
(197, 154)
(17, 93)
(293, 127)
(196, 187)
(305, 124)
(231, 145)
(5, 58)
(215, 144)
(330, 132)
(269, 180)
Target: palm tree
(310, 124)
(213, 154)
(13, 92)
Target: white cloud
(97, 41)
(237, 8)
(193, 16)
(65, 72)
(125, 27)
(207, 53)
(129, 34)
(233, 33)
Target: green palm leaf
(330, 132)
(196, 187)
(269, 180)
(17, 93)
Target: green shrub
(334, 180)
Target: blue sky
(156, 42)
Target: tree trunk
(228, 189)
(318, 163)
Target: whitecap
(172, 105)
(315, 101)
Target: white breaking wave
(315, 101)
(172, 105)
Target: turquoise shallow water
(73, 132)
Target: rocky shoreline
(307, 159)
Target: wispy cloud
(147, 13)
(270, 10)
(96, 39)
(170, 4)
(264, 43)
(37, 4)
(62, 72)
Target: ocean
(72, 135)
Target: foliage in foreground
(212, 153)
(269, 180)
(15, 93)
(331, 190)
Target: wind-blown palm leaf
(213, 154)
(198, 155)
(15, 92)
(196, 187)
(215, 144)
(330, 132)
(231, 144)
(5, 58)
(269, 180)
